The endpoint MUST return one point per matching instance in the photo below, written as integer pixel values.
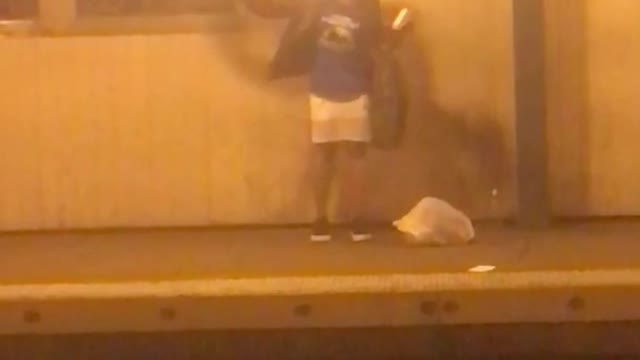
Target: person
(333, 42)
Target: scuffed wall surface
(593, 89)
(185, 129)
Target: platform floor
(192, 254)
(205, 279)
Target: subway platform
(574, 275)
(201, 278)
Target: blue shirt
(339, 72)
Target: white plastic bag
(435, 222)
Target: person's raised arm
(295, 50)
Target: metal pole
(531, 138)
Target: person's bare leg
(324, 159)
(355, 182)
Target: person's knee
(325, 153)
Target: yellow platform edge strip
(325, 285)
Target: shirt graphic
(339, 35)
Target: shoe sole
(320, 238)
(361, 237)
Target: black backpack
(388, 101)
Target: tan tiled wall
(592, 102)
(183, 129)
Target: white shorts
(339, 121)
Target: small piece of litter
(482, 268)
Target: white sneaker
(320, 231)
(359, 232)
